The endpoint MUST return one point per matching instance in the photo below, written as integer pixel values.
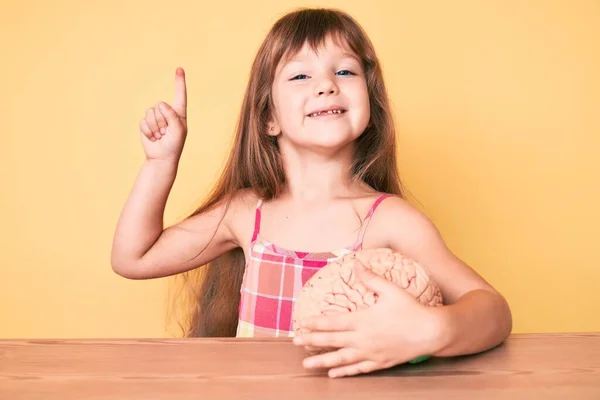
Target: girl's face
(321, 100)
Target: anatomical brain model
(335, 288)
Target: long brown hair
(255, 161)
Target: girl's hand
(395, 330)
(164, 128)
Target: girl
(312, 176)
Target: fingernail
(298, 340)
(163, 130)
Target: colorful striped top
(273, 278)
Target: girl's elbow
(125, 269)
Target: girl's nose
(326, 86)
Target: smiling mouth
(330, 112)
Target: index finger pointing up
(180, 100)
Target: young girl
(312, 176)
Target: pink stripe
(313, 263)
(287, 260)
(256, 224)
(363, 229)
(275, 258)
(379, 200)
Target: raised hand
(164, 128)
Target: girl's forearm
(478, 321)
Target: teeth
(327, 112)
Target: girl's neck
(315, 178)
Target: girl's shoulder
(386, 205)
(243, 205)
(395, 219)
(241, 214)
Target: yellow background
(497, 106)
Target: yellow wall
(497, 104)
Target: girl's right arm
(142, 248)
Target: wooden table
(546, 366)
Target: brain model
(334, 288)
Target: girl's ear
(272, 129)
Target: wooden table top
(543, 366)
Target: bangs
(315, 38)
(313, 28)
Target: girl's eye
(344, 72)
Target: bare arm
(476, 317)
(142, 249)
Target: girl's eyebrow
(300, 59)
(350, 55)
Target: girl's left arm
(475, 317)
(398, 328)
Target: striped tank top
(273, 278)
